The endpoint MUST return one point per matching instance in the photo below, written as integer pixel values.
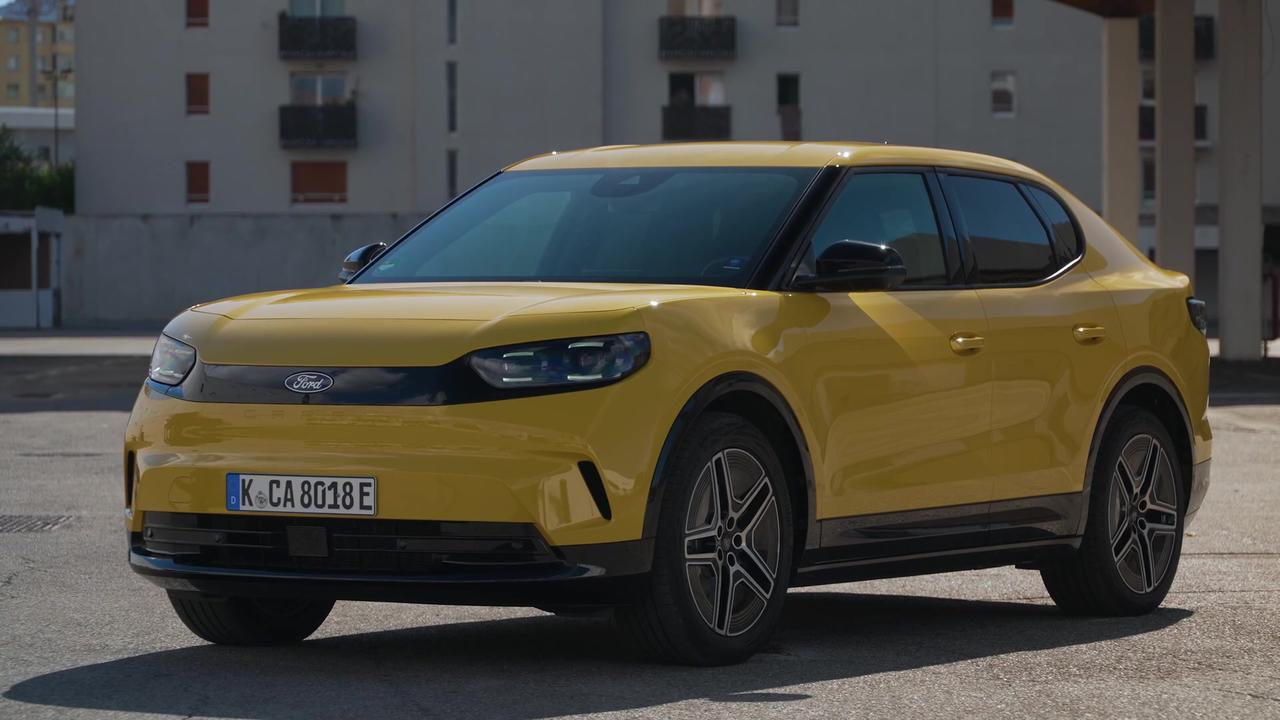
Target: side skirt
(959, 537)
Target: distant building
(32, 70)
(40, 134)
(361, 108)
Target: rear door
(1053, 340)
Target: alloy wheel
(732, 542)
(1143, 514)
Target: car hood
(384, 325)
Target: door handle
(1086, 334)
(967, 344)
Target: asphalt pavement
(82, 636)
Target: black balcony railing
(318, 126)
(317, 38)
(709, 38)
(695, 122)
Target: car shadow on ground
(546, 666)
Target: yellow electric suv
(671, 382)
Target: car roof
(771, 154)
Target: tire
(1132, 540)
(676, 616)
(249, 621)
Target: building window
(1148, 84)
(66, 34)
(197, 182)
(14, 62)
(42, 91)
(1001, 13)
(14, 36)
(197, 93)
(1148, 178)
(42, 63)
(452, 22)
(1205, 43)
(197, 13)
(1003, 95)
(316, 8)
(314, 181)
(451, 172)
(317, 88)
(67, 90)
(40, 36)
(788, 12)
(789, 105)
(43, 154)
(11, 91)
(451, 95)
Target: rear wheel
(250, 621)
(724, 548)
(1133, 538)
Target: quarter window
(1064, 233)
(1008, 242)
(892, 209)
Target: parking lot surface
(82, 636)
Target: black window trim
(971, 268)
(952, 255)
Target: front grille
(344, 545)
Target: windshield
(705, 226)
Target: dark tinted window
(1008, 242)
(1064, 233)
(702, 226)
(890, 209)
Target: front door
(898, 387)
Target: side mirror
(850, 265)
(356, 261)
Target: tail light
(1199, 315)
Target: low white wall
(144, 269)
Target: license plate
(300, 494)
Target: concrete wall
(144, 270)
(911, 71)
(523, 91)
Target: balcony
(318, 126)
(688, 37)
(696, 122)
(317, 38)
(1147, 124)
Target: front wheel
(1133, 537)
(724, 548)
(249, 621)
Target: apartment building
(395, 105)
(37, 53)
(338, 110)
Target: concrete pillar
(1121, 94)
(1175, 136)
(1239, 154)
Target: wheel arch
(1152, 390)
(755, 399)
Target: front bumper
(387, 560)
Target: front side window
(1008, 242)
(704, 226)
(891, 209)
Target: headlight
(171, 361)
(580, 361)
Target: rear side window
(891, 209)
(1064, 233)
(1008, 241)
